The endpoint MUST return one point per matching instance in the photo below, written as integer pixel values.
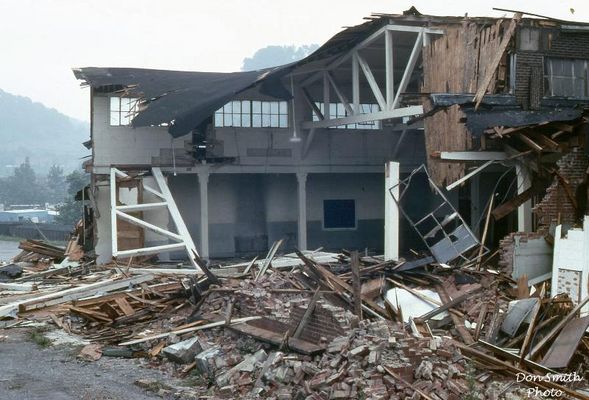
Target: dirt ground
(29, 371)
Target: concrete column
(524, 212)
(391, 212)
(302, 203)
(203, 182)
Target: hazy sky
(41, 40)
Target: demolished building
(454, 144)
(252, 157)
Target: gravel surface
(29, 371)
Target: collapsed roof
(184, 99)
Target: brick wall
(555, 44)
(556, 202)
(327, 321)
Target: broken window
(123, 110)
(339, 214)
(566, 77)
(338, 110)
(252, 114)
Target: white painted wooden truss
(181, 239)
(388, 101)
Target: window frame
(349, 228)
(130, 114)
(260, 114)
(549, 76)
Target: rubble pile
(291, 327)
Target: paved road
(30, 372)
(8, 249)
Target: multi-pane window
(566, 77)
(123, 110)
(253, 114)
(337, 110)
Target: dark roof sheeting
(185, 99)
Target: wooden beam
(143, 224)
(372, 82)
(307, 315)
(469, 175)
(342, 98)
(188, 330)
(389, 69)
(356, 284)
(409, 69)
(375, 116)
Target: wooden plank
(124, 306)
(356, 284)
(550, 335)
(564, 347)
(407, 384)
(64, 296)
(447, 305)
(307, 315)
(277, 338)
(339, 285)
(458, 322)
(187, 330)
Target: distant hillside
(47, 137)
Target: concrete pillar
(302, 205)
(203, 182)
(524, 212)
(391, 212)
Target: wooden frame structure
(181, 239)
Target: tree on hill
(271, 56)
(56, 185)
(22, 187)
(70, 212)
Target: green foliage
(37, 336)
(22, 187)
(71, 210)
(56, 185)
(471, 383)
(272, 56)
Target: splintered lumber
(480, 93)
(308, 312)
(447, 305)
(43, 248)
(277, 338)
(550, 335)
(63, 296)
(203, 266)
(124, 306)
(507, 367)
(333, 282)
(458, 322)
(407, 384)
(269, 258)
(187, 330)
(506, 208)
